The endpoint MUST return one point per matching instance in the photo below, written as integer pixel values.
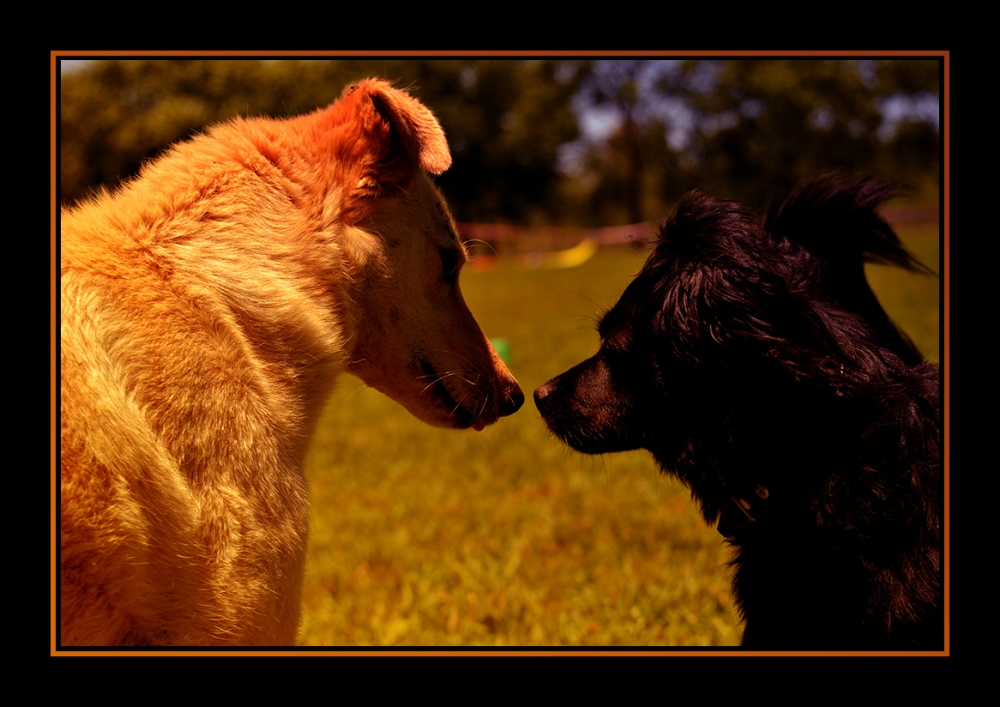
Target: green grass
(913, 300)
(428, 537)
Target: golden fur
(207, 308)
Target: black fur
(753, 360)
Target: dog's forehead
(616, 326)
(447, 231)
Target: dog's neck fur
(816, 506)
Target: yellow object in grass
(569, 258)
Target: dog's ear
(747, 329)
(724, 294)
(400, 129)
(716, 305)
(836, 220)
(378, 137)
(705, 264)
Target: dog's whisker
(440, 376)
(477, 242)
(433, 383)
(449, 352)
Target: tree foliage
(763, 124)
(505, 120)
(747, 128)
(736, 127)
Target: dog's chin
(435, 406)
(451, 420)
(592, 441)
(446, 400)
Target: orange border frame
(55, 56)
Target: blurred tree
(625, 177)
(742, 128)
(906, 76)
(624, 173)
(505, 120)
(115, 114)
(761, 124)
(767, 123)
(911, 157)
(618, 83)
(911, 141)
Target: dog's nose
(542, 392)
(513, 403)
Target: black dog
(755, 363)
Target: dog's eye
(450, 261)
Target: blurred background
(427, 537)
(548, 142)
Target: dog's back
(878, 512)
(183, 514)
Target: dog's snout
(513, 402)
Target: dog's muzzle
(513, 400)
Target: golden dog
(207, 308)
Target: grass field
(428, 537)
